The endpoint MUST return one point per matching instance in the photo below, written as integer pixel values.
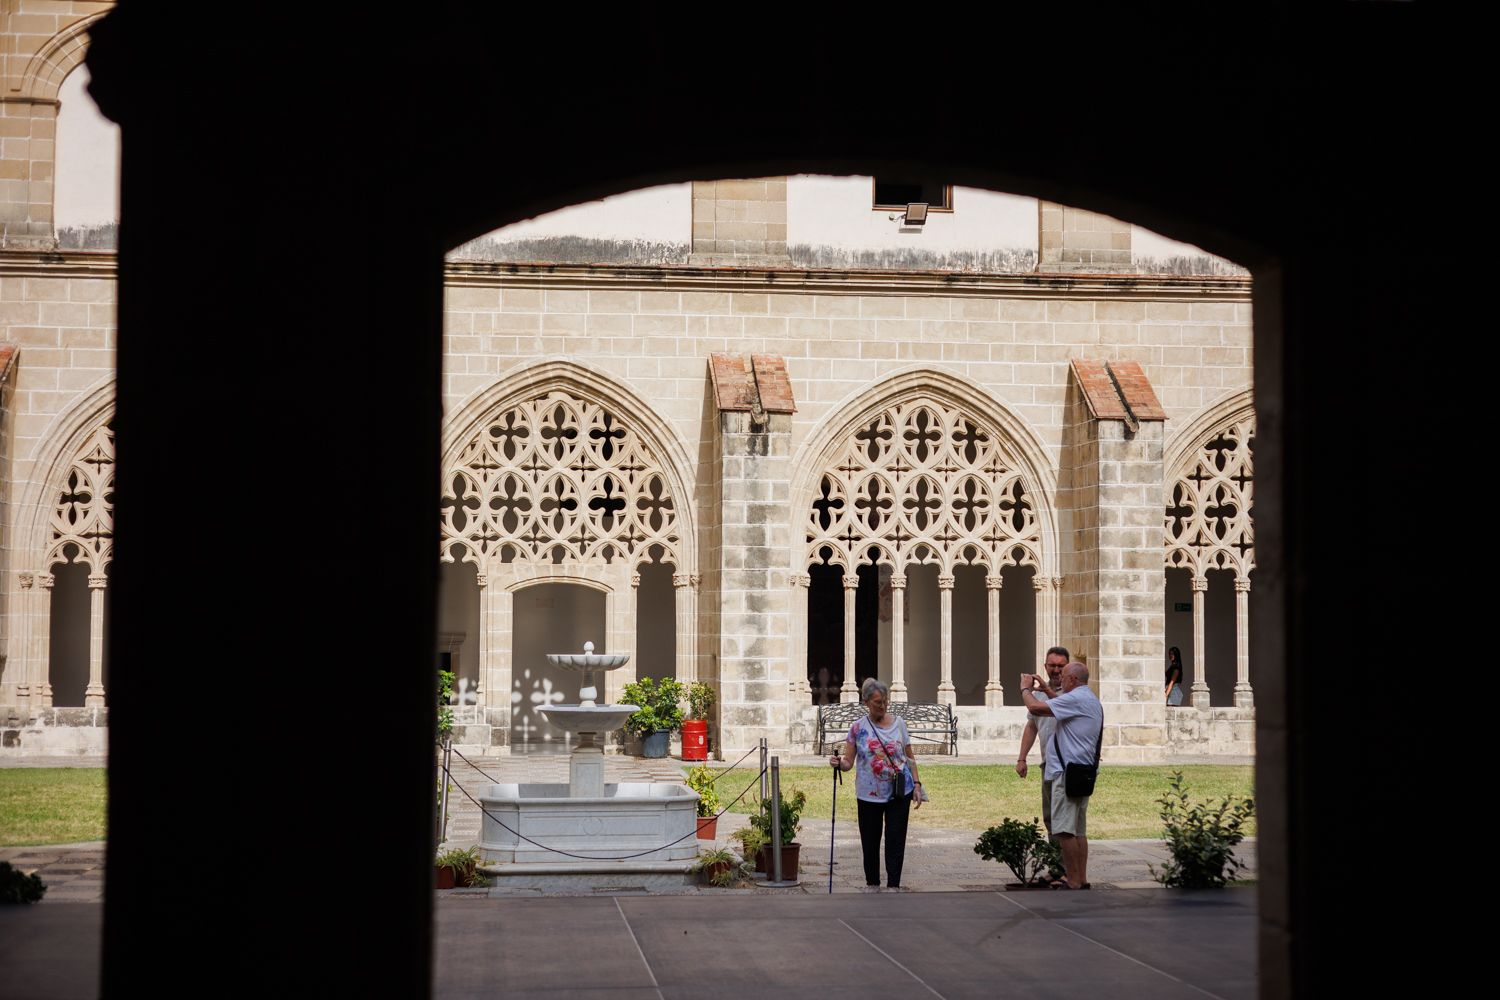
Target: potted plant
(658, 714)
(695, 728)
(458, 867)
(791, 819)
(715, 863)
(752, 846)
(1201, 838)
(701, 780)
(1031, 858)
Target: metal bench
(926, 722)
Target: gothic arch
(578, 497)
(51, 466)
(50, 65)
(1210, 490)
(924, 467)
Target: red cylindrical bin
(695, 739)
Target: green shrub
(445, 713)
(465, 865)
(701, 780)
(658, 704)
(1201, 837)
(791, 816)
(18, 887)
(700, 700)
(1021, 848)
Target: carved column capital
(45, 580)
(945, 581)
(681, 579)
(98, 581)
(483, 579)
(801, 579)
(635, 580)
(898, 582)
(851, 581)
(695, 580)
(1200, 583)
(27, 579)
(1040, 583)
(994, 581)
(1057, 583)
(1242, 585)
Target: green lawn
(976, 796)
(51, 805)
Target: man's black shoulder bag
(1078, 779)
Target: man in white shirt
(1080, 720)
(1041, 725)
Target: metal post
(764, 750)
(443, 776)
(775, 819)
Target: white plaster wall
(659, 214)
(87, 191)
(836, 212)
(1146, 245)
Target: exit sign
(1179, 606)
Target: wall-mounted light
(916, 214)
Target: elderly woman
(885, 782)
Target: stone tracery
(922, 482)
(558, 479)
(82, 526)
(1208, 516)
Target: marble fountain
(604, 823)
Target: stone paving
(936, 860)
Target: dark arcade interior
(350, 153)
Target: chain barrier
(582, 857)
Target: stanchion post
(764, 750)
(443, 778)
(775, 819)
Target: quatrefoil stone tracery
(83, 521)
(558, 478)
(922, 482)
(1208, 507)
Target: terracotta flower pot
(444, 877)
(708, 827)
(710, 872)
(791, 854)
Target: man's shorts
(1068, 815)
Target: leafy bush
(791, 816)
(659, 708)
(445, 694)
(701, 780)
(751, 842)
(1021, 848)
(1201, 837)
(700, 697)
(17, 886)
(465, 865)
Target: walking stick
(838, 779)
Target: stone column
(27, 666)
(1200, 668)
(93, 695)
(1243, 696)
(685, 589)
(849, 691)
(1045, 628)
(947, 693)
(482, 693)
(798, 688)
(41, 624)
(497, 633)
(898, 638)
(994, 691)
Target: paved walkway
(936, 860)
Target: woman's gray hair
(871, 687)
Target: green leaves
(791, 816)
(1201, 837)
(1021, 848)
(659, 705)
(701, 780)
(445, 713)
(700, 700)
(18, 887)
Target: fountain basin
(629, 818)
(601, 719)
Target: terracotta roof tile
(1098, 390)
(1117, 390)
(8, 355)
(1136, 388)
(736, 377)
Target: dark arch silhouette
(288, 190)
